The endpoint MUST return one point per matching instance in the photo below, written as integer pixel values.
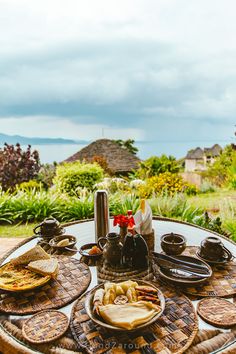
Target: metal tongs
(169, 262)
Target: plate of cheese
(126, 305)
(30, 270)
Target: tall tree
(17, 166)
(128, 145)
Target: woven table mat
(45, 326)
(222, 283)
(72, 280)
(217, 311)
(173, 332)
(105, 272)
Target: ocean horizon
(59, 152)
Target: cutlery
(172, 260)
(187, 274)
(167, 264)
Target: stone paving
(8, 243)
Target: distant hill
(23, 140)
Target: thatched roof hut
(195, 154)
(119, 160)
(214, 151)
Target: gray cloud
(155, 81)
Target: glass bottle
(128, 250)
(140, 257)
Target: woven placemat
(45, 326)
(105, 272)
(173, 332)
(72, 280)
(222, 283)
(217, 311)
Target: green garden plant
(155, 165)
(70, 176)
(219, 173)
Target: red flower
(124, 221)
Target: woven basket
(150, 240)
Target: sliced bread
(34, 254)
(44, 266)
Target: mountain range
(23, 140)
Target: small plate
(54, 241)
(183, 280)
(99, 321)
(84, 250)
(221, 261)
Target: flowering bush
(136, 183)
(113, 185)
(166, 182)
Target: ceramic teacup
(213, 249)
(48, 228)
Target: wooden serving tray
(72, 280)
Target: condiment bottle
(128, 250)
(101, 214)
(140, 259)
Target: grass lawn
(221, 203)
(214, 200)
(21, 230)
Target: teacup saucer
(222, 260)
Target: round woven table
(208, 337)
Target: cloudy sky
(158, 70)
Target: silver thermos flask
(101, 214)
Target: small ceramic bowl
(173, 244)
(54, 241)
(84, 250)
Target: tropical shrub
(46, 174)
(167, 182)
(207, 187)
(30, 185)
(155, 165)
(232, 172)
(17, 166)
(219, 172)
(101, 161)
(70, 176)
(175, 206)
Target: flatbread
(44, 266)
(33, 254)
(129, 315)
